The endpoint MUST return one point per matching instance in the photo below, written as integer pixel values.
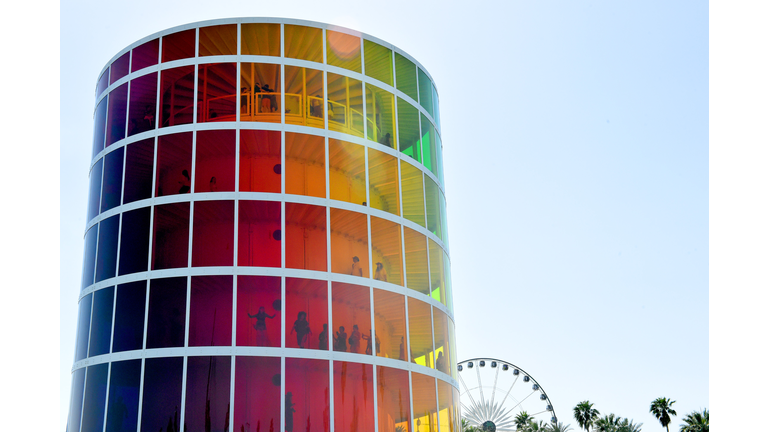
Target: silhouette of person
(301, 327)
(402, 347)
(185, 182)
(387, 140)
(324, 338)
(340, 340)
(440, 362)
(261, 326)
(213, 185)
(354, 340)
(368, 346)
(357, 270)
(381, 273)
(289, 410)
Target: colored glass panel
(83, 327)
(167, 312)
(387, 251)
(170, 237)
(439, 152)
(210, 311)
(413, 193)
(95, 398)
(304, 165)
(260, 166)
(123, 409)
(443, 351)
(394, 399)
(347, 171)
(259, 307)
(428, 145)
(101, 322)
(447, 407)
(119, 68)
(436, 106)
(420, 332)
(259, 235)
(345, 104)
(145, 55)
(260, 39)
(307, 399)
(143, 104)
(89, 256)
(424, 402)
(305, 237)
(352, 318)
(76, 400)
(443, 219)
(216, 92)
(129, 317)
(349, 243)
(380, 114)
(218, 40)
(408, 125)
(160, 408)
(177, 87)
(174, 164)
(307, 307)
(106, 259)
(383, 181)
(139, 158)
(215, 161)
(260, 92)
(99, 126)
(94, 192)
(432, 197)
(207, 394)
(448, 285)
(406, 76)
(389, 319)
(304, 96)
(425, 92)
(305, 43)
(437, 272)
(134, 241)
(353, 397)
(416, 264)
(343, 50)
(118, 106)
(112, 184)
(103, 82)
(213, 233)
(179, 46)
(378, 62)
(257, 394)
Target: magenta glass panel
(129, 316)
(170, 237)
(394, 399)
(103, 82)
(257, 394)
(307, 399)
(353, 397)
(76, 400)
(119, 68)
(134, 241)
(160, 407)
(143, 104)
(99, 126)
(123, 409)
(83, 327)
(215, 161)
(258, 311)
(101, 321)
(305, 237)
(306, 308)
(260, 167)
(213, 237)
(259, 235)
(89, 256)
(177, 87)
(139, 157)
(112, 185)
(217, 92)
(95, 398)
(106, 260)
(174, 164)
(145, 55)
(94, 192)
(178, 46)
(210, 311)
(352, 318)
(167, 312)
(118, 103)
(207, 401)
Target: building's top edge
(275, 20)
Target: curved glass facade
(266, 244)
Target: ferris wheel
(493, 392)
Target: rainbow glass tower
(266, 244)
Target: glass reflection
(101, 322)
(416, 264)
(389, 318)
(129, 317)
(346, 171)
(207, 395)
(139, 158)
(260, 166)
(386, 249)
(353, 397)
(170, 238)
(213, 233)
(218, 40)
(352, 319)
(420, 332)
(118, 107)
(94, 192)
(145, 55)
(307, 307)
(406, 76)
(210, 311)
(257, 394)
(89, 256)
(304, 165)
(76, 400)
(378, 62)
(174, 164)
(413, 193)
(343, 50)
(167, 312)
(177, 87)
(383, 182)
(112, 184)
(408, 124)
(179, 46)
(143, 104)
(425, 92)
(394, 399)
(134, 241)
(258, 311)
(349, 243)
(106, 260)
(424, 402)
(95, 398)
(83, 327)
(307, 399)
(259, 236)
(305, 237)
(216, 92)
(305, 43)
(119, 68)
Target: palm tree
(585, 415)
(560, 427)
(629, 426)
(661, 408)
(696, 422)
(466, 427)
(609, 423)
(521, 420)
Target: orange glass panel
(347, 171)
(383, 182)
(218, 40)
(306, 312)
(304, 164)
(352, 318)
(343, 50)
(353, 397)
(260, 168)
(416, 264)
(389, 318)
(349, 243)
(260, 92)
(215, 161)
(304, 97)
(424, 402)
(260, 39)
(305, 237)
(420, 332)
(216, 92)
(345, 105)
(394, 399)
(259, 236)
(380, 114)
(387, 251)
(305, 43)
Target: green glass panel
(432, 196)
(425, 92)
(378, 62)
(443, 220)
(408, 126)
(429, 145)
(436, 106)
(406, 76)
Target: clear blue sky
(576, 157)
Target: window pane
(123, 410)
(406, 76)
(343, 50)
(448, 285)
(129, 317)
(112, 184)
(305, 43)
(83, 327)
(425, 92)
(89, 256)
(218, 40)
(304, 96)
(257, 394)
(424, 402)
(429, 145)
(408, 124)
(103, 82)
(178, 46)
(258, 311)
(378, 62)
(260, 167)
(119, 68)
(352, 318)
(207, 399)
(434, 221)
(139, 158)
(216, 92)
(380, 111)
(174, 164)
(99, 125)
(210, 311)
(383, 182)
(345, 104)
(215, 161)
(353, 397)
(305, 237)
(141, 112)
(170, 236)
(394, 399)
(437, 272)
(95, 398)
(307, 404)
(307, 313)
(134, 241)
(413, 194)
(176, 95)
(167, 312)
(389, 317)
(145, 55)
(447, 407)
(416, 265)
(347, 171)
(349, 243)
(213, 233)
(444, 361)
(260, 92)
(259, 235)
(76, 400)
(260, 39)
(439, 152)
(118, 106)
(304, 165)
(436, 106)
(162, 394)
(420, 331)
(94, 192)
(106, 262)
(387, 251)
(443, 219)
(101, 322)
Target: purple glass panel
(145, 55)
(210, 311)
(89, 256)
(123, 409)
(118, 102)
(94, 193)
(257, 394)
(213, 238)
(119, 68)
(258, 311)
(215, 161)
(76, 400)
(176, 95)
(134, 241)
(160, 408)
(129, 317)
(259, 235)
(101, 322)
(307, 401)
(174, 164)
(112, 185)
(138, 170)
(179, 46)
(106, 260)
(99, 125)
(103, 82)
(167, 312)
(95, 398)
(143, 105)
(83, 327)
(207, 401)
(170, 238)
(306, 306)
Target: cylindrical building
(266, 244)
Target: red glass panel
(216, 92)
(394, 399)
(179, 45)
(215, 161)
(170, 237)
(167, 312)
(207, 401)
(145, 55)
(177, 87)
(143, 105)
(160, 409)
(349, 243)
(210, 311)
(174, 164)
(307, 399)
(213, 235)
(118, 101)
(218, 40)
(260, 168)
(119, 68)
(257, 394)
(305, 237)
(306, 308)
(353, 397)
(259, 235)
(352, 318)
(258, 311)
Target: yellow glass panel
(443, 353)
(424, 403)
(387, 251)
(413, 193)
(380, 114)
(389, 318)
(260, 92)
(437, 272)
(447, 407)
(378, 62)
(260, 39)
(420, 332)
(305, 43)
(432, 196)
(383, 180)
(416, 267)
(347, 171)
(218, 40)
(304, 97)
(349, 243)
(343, 50)
(345, 105)
(304, 164)
(406, 76)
